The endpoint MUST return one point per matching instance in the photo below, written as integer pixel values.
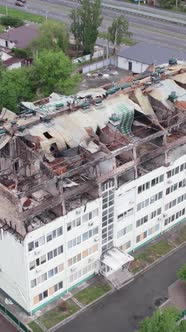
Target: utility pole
(139, 7)
(176, 5)
(6, 9)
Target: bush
(63, 306)
(11, 21)
(21, 53)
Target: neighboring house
(137, 58)
(8, 60)
(19, 37)
(13, 63)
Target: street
(5, 326)
(142, 28)
(124, 309)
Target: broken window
(47, 135)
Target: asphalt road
(122, 310)
(5, 326)
(143, 29)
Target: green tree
(161, 322)
(181, 274)
(52, 36)
(22, 53)
(14, 87)
(119, 30)
(168, 4)
(52, 71)
(85, 23)
(11, 21)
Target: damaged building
(87, 179)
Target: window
(125, 214)
(155, 213)
(37, 243)
(90, 215)
(174, 217)
(143, 187)
(58, 286)
(47, 135)
(43, 295)
(32, 265)
(124, 231)
(33, 283)
(141, 221)
(143, 204)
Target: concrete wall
(13, 269)
(137, 67)
(6, 43)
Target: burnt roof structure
(56, 152)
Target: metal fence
(15, 321)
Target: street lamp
(139, 4)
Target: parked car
(20, 3)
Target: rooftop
(151, 54)
(56, 151)
(21, 36)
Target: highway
(142, 28)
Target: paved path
(122, 311)
(5, 326)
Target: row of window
(126, 246)
(175, 202)
(41, 241)
(150, 184)
(47, 275)
(149, 232)
(124, 231)
(176, 186)
(174, 217)
(45, 294)
(86, 217)
(42, 259)
(125, 214)
(85, 236)
(144, 219)
(176, 170)
(148, 201)
(109, 184)
(78, 274)
(80, 256)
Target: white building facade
(60, 255)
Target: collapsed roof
(56, 152)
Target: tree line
(52, 69)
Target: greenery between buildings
(165, 321)
(181, 274)
(150, 254)
(91, 293)
(52, 36)
(11, 21)
(180, 236)
(50, 71)
(168, 4)
(35, 327)
(85, 23)
(58, 314)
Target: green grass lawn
(181, 236)
(35, 327)
(22, 14)
(56, 315)
(91, 293)
(150, 254)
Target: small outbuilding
(139, 57)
